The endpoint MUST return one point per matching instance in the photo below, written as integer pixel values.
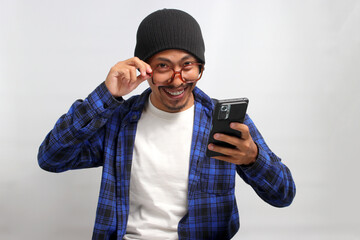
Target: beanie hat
(169, 29)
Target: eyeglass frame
(202, 65)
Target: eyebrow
(168, 60)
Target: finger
(228, 139)
(223, 150)
(139, 79)
(133, 76)
(148, 68)
(115, 71)
(244, 129)
(142, 78)
(142, 66)
(125, 75)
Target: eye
(162, 66)
(188, 65)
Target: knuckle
(119, 64)
(113, 68)
(237, 161)
(246, 128)
(136, 61)
(240, 126)
(238, 155)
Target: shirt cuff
(102, 101)
(258, 166)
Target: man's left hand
(245, 151)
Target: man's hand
(122, 78)
(245, 151)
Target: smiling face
(177, 96)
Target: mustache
(183, 85)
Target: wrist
(254, 153)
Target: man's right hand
(122, 78)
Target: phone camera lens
(224, 112)
(223, 108)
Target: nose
(177, 81)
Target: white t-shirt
(159, 173)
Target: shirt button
(134, 117)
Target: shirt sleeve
(268, 176)
(76, 141)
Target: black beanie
(169, 29)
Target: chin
(177, 99)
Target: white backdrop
(298, 61)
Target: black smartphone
(225, 112)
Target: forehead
(172, 55)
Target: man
(157, 182)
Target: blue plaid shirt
(100, 131)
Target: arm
(76, 140)
(268, 176)
(258, 165)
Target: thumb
(142, 78)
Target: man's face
(177, 96)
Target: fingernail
(211, 147)
(217, 136)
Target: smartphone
(225, 112)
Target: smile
(174, 93)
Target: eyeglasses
(190, 72)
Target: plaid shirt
(100, 131)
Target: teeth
(175, 93)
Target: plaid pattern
(100, 131)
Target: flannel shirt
(100, 131)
